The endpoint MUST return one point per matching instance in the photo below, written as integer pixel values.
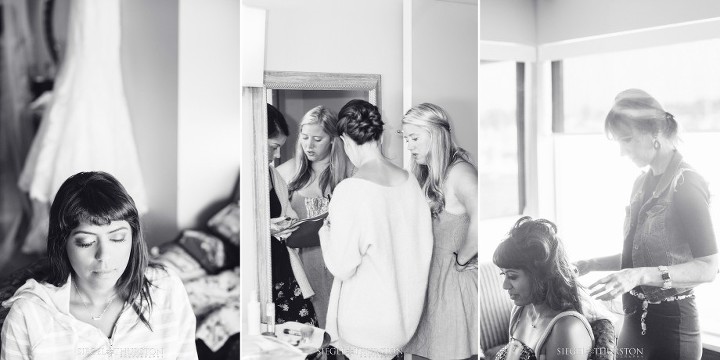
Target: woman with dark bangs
(102, 296)
(547, 320)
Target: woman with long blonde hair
(318, 166)
(448, 328)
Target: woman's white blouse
(40, 326)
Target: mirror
(293, 93)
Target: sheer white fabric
(87, 126)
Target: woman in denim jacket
(669, 245)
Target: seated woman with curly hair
(547, 320)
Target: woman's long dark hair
(533, 246)
(98, 198)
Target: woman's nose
(506, 284)
(276, 153)
(100, 251)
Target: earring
(656, 144)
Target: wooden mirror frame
(288, 80)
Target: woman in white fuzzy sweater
(377, 242)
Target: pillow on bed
(172, 256)
(208, 250)
(226, 223)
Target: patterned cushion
(605, 340)
(226, 223)
(495, 307)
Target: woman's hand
(469, 265)
(616, 284)
(282, 227)
(582, 267)
(324, 232)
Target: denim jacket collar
(669, 176)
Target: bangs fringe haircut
(98, 198)
(533, 246)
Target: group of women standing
(669, 248)
(394, 267)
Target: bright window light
(684, 78)
(498, 148)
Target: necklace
(96, 318)
(534, 323)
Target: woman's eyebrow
(122, 227)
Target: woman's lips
(104, 272)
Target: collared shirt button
(635, 247)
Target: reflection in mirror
(294, 104)
(294, 94)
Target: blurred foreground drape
(87, 126)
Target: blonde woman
(318, 166)
(448, 328)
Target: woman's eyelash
(84, 245)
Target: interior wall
(569, 19)
(510, 21)
(445, 64)
(209, 94)
(181, 70)
(342, 37)
(149, 53)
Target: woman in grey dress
(449, 325)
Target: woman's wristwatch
(665, 273)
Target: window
(500, 155)
(684, 78)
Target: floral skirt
(290, 304)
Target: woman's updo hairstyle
(636, 109)
(361, 121)
(533, 246)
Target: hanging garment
(87, 125)
(16, 60)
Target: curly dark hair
(533, 246)
(361, 121)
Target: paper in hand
(306, 234)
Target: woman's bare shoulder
(569, 332)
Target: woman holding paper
(291, 290)
(318, 166)
(669, 245)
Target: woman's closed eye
(118, 239)
(84, 244)
(510, 277)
